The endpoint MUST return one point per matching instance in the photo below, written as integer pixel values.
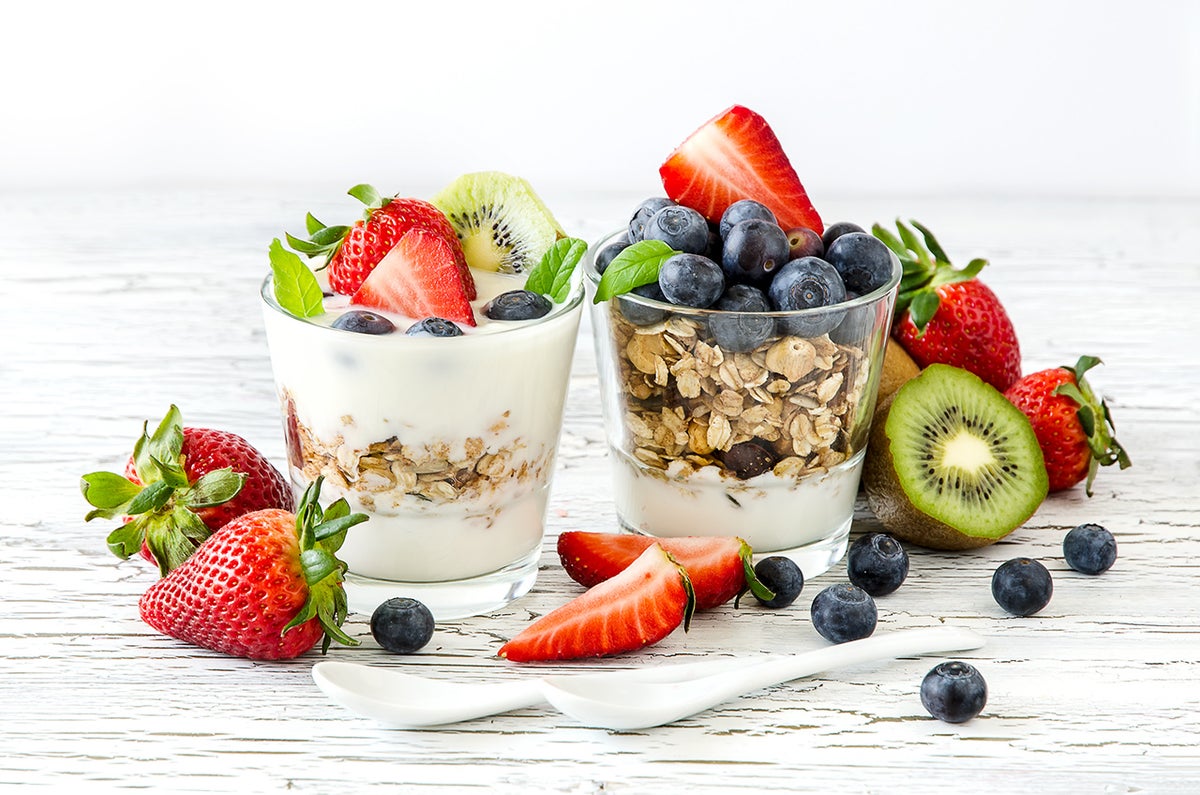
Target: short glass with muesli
(429, 394)
(743, 421)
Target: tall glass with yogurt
(447, 444)
(763, 440)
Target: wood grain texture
(118, 304)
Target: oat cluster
(687, 402)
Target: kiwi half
(501, 222)
(954, 465)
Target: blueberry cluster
(747, 264)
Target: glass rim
(876, 295)
(574, 300)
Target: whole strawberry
(352, 252)
(1074, 428)
(267, 586)
(181, 484)
(948, 316)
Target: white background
(870, 98)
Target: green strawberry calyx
(326, 240)
(753, 584)
(160, 511)
(321, 533)
(1095, 419)
(926, 268)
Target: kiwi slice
(502, 223)
(954, 465)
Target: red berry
(418, 278)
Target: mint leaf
(636, 265)
(552, 276)
(296, 287)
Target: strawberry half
(418, 278)
(179, 486)
(267, 586)
(640, 606)
(736, 156)
(720, 567)
(946, 315)
(352, 252)
(1073, 426)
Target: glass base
(813, 559)
(452, 599)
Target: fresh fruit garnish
(804, 242)
(741, 332)
(719, 567)
(783, 577)
(877, 563)
(1090, 549)
(948, 316)
(836, 230)
(518, 305)
(1073, 426)
(953, 465)
(736, 156)
(352, 252)
(954, 692)
(433, 327)
(642, 215)
(179, 486)
(844, 612)
(418, 278)
(636, 608)
(1022, 586)
(267, 586)
(691, 280)
(681, 228)
(898, 369)
(499, 219)
(807, 283)
(363, 322)
(402, 625)
(863, 262)
(746, 210)
(754, 251)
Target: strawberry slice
(720, 567)
(418, 278)
(640, 606)
(736, 156)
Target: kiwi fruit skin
(898, 369)
(895, 511)
(498, 198)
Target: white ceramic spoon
(638, 705)
(408, 701)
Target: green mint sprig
(552, 276)
(296, 287)
(637, 265)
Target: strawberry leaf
(107, 490)
(552, 276)
(368, 195)
(637, 265)
(312, 225)
(922, 308)
(931, 243)
(296, 287)
(150, 498)
(213, 488)
(126, 539)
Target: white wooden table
(117, 304)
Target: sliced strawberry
(736, 156)
(640, 606)
(418, 278)
(719, 567)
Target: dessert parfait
(740, 344)
(422, 363)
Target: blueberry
(835, 231)
(856, 325)
(606, 255)
(640, 315)
(877, 563)
(783, 577)
(681, 228)
(1090, 549)
(954, 692)
(844, 612)
(517, 305)
(807, 283)
(744, 210)
(691, 280)
(754, 250)
(402, 625)
(1022, 586)
(715, 245)
(361, 322)
(434, 327)
(643, 214)
(862, 260)
(741, 331)
(804, 242)
(750, 459)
